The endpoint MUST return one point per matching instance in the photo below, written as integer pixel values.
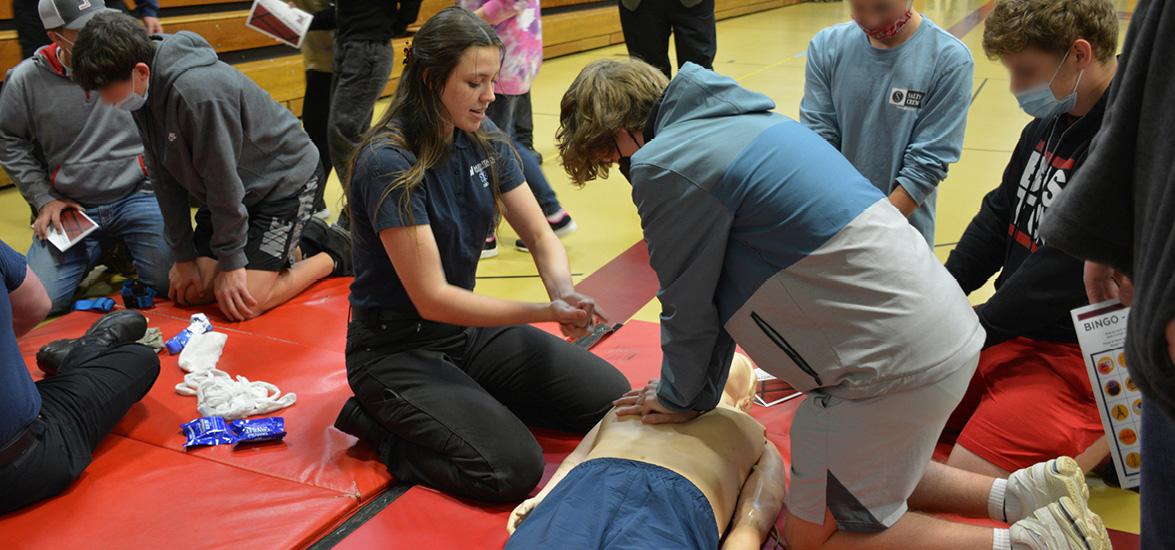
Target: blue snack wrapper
(200, 324)
(209, 430)
(258, 429)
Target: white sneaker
(1039, 485)
(1062, 525)
(490, 248)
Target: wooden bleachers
(569, 26)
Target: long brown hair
(415, 121)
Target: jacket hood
(697, 93)
(177, 54)
(46, 59)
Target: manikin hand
(643, 401)
(520, 513)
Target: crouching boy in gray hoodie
(211, 132)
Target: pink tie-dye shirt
(520, 26)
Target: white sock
(997, 500)
(1001, 539)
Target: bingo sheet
(1101, 332)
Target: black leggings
(315, 114)
(458, 401)
(79, 407)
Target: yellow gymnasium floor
(764, 52)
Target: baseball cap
(71, 14)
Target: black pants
(79, 407)
(457, 401)
(647, 30)
(315, 117)
(524, 121)
(361, 70)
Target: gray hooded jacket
(57, 141)
(212, 132)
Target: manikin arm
(759, 502)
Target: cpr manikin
(638, 482)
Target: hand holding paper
(280, 21)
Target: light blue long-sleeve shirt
(899, 114)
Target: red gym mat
(314, 453)
(136, 495)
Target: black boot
(113, 329)
(355, 421)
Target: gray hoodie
(212, 132)
(57, 141)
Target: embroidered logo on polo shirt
(906, 99)
(480, 170)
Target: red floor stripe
(624, 285)
(967, 24)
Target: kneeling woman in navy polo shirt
(446, 381)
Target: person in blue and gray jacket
(762, 234)
(890, 90)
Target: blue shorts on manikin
(620, 505)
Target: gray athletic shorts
(862, 458)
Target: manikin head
(739, 392)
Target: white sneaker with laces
(1041, 484)
(1062, 525)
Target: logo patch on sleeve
(906, 99)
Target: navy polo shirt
(20, 403)
(454, 201)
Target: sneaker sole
(567, 229)
(1069, 472)
(1086, 524)
(487, 254)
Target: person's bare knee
(199, 296)
(261, 285)
(805, 535)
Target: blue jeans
(1158, 476)
(134, 220)
(501, 111)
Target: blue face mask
(1039, 101)
(132, 102)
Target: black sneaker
(490, 248)
(562, 227)
(355, 421)
(313, 235)
(113, 329)
(318, 237)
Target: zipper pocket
(791, 352)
